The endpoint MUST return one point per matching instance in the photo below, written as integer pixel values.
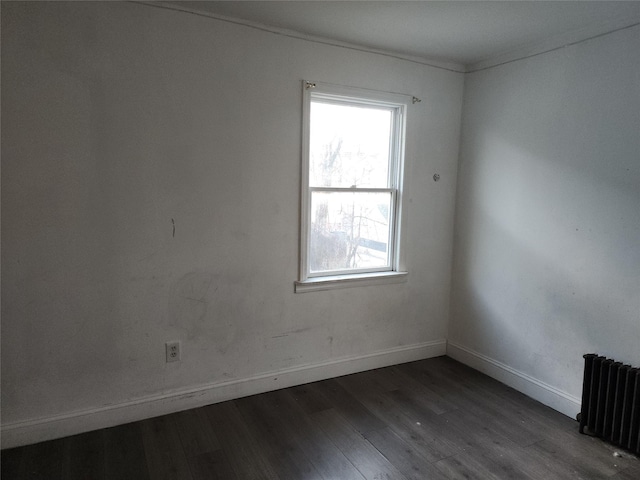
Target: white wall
(547, 249)
(118, 119)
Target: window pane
(349, 145)
(349, 231)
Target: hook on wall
(436, 177)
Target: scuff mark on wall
(188, 301)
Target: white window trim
(398, 273)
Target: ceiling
(462, 32)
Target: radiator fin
(611, 402)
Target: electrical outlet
(173, 351)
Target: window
(353, 146)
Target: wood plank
(364, 456)
(557, 465)
(516, 424)
(449, 381)
(563, 458)
(239, 446)
(387, 379)
(464, 467)
(308, 401)
(44, 460)
(327, 459)
(84, 456)
(124, 456)
(477, 427)
(165, 456)
(632, 472)
(11, 464)
(374, 381)
(211, 466)
(425, 396)
(195, 432)
(409, 460)
(276, 439)
(474, 388)
(499, 456)
(345, 403)
(424, 430)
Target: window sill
(346, 281)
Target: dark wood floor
(432, 419)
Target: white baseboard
(532, 387)
(48, 428)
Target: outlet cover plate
(173, 351)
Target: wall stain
(188, 300)
(300, 330)
(195, 299)
(147, 257)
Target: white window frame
(398, 105)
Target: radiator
(611, 402)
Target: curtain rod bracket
(416, 100)
(309, 85)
